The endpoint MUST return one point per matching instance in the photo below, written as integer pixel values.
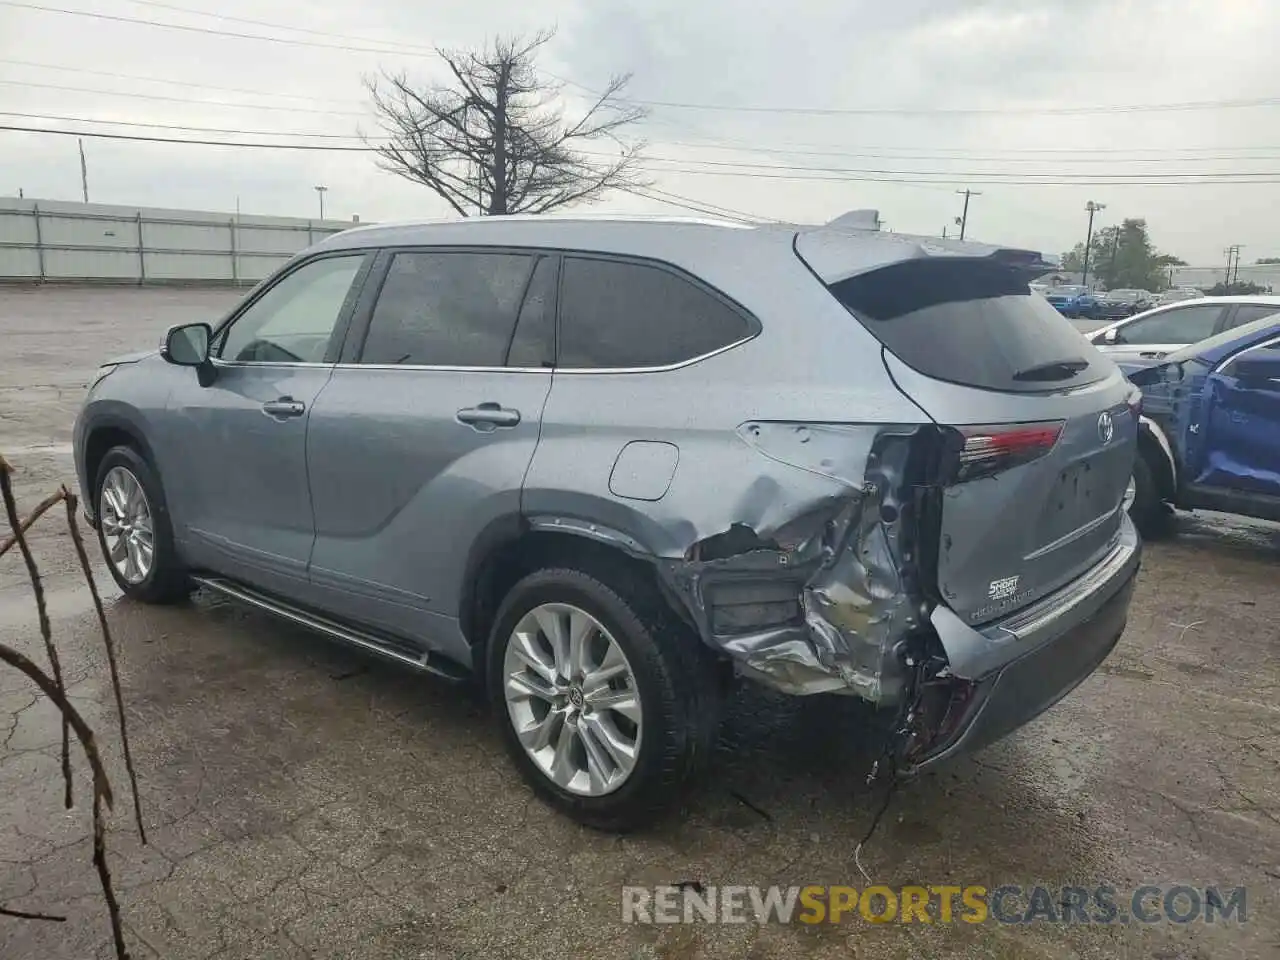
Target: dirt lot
(303, 801)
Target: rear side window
(616, 314)
(971, 322)
(447, 309)
(1249, 312)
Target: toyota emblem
(1106, 427)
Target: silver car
(1151, 336)
(604, 465)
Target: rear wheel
(134, 529)
(1147, 508)
(607, 705)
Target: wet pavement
(302, 800)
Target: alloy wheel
(572, 699)
(127, 529)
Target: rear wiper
(1054, 370)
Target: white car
(1155, 333)
(1178, 294)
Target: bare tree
(492, 140)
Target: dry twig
(11, 511)
(71, 501)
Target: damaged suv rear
(603, 464)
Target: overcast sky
(1015, 64)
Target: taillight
(989, 450)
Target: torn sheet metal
(823, 600)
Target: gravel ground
(304, 801)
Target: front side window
(1184, 325)
(294, 320)
(448, 309)
(618, 315)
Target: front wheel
(606, 704)
(134, 529)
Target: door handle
(1152, 354)
(488, 416)
(284, 408)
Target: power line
(964, 111)
(170, 81)
(178, 126)
(328, 148)
(191, 29)
(747, 165)
(870, 151)
(185, 100)
(903, 177)
(413, 47)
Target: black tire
(166, 581)
(1148, 511)
(675, 678)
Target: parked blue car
(1209, 433)
(1074, 301)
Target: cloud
(997, 55)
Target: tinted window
(1183, 325)
(1247, 313)
(971, 322)
(294, 320)
(447, 309)
(534, 340)
(631, 315)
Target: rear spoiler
(843, 249)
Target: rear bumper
(1073, 633)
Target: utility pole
(944, 231)
(1088, 238)
(320, 192)
(962, 221)
(1233, 255)
(84, 173)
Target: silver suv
(604, 465)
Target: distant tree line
(1123, 257)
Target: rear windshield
(970, 321)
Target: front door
(420, 443)
(241, 493)
(1241, 447)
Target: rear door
(422, 437)
(1156, 335)
(1045, 430)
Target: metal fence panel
(58, 240)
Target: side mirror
(1257, 368)
(187, 345)
(1108, 336)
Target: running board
(384, 646)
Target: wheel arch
(1154, 447)
(103, 432)
(512, 547)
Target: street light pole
(1088, 239)
(320, 192)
